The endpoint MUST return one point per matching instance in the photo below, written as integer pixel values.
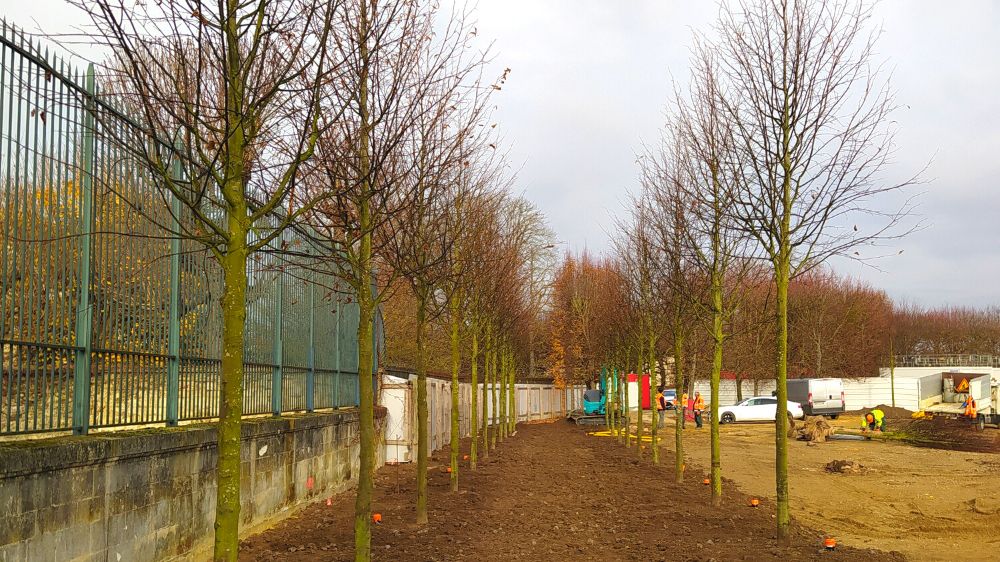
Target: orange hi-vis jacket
(970, 407)
(699, 403)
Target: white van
(819, 397)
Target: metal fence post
(276, 373)
(84, 313)
(174, 320)
(311, 353)
(336, 359)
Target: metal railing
(105, 319)
(952, 360)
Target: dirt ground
(551, 493)
(926, 502)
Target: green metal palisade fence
(105, 319)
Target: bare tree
(443, 145)
(664, 191)
(400, 59)
(812, 121)
(719, 250)
(222, 103)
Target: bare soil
(552, 492)
(936, 501)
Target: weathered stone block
(17, 527)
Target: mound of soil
(893, 413)
(551, 493)
(942, 432)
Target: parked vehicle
(757, 408)
(671, 396)
(819, 397)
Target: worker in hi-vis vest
(874, 421)
(699, 407)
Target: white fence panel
(873, 391)
(533, 402)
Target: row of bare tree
(366, 126)
(772, 161)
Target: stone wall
(150, 494)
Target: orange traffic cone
(754, 502)
(829, 543)
(377, 518)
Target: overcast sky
(590, 80)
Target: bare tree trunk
(366, 307)
(227, 518)
(486, 378)
(474, 416)
(494, 375)
(511, 397)
(456, 437)
(638, 397)
(606, 379)
(717, 339)
(653, 407)
(679, 465)
(781, 417)
(628, 413)
(366, 414)
(422, 430)
(504, 368)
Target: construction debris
(845, 467)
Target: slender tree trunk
(781, 418)
(638, 398)
(474, 421)
(422, 433)
(456, 436)
(739, 388)
(234, 266)
(504, 366)
(616, 418)
(628, 414)
(679, 465)
(366, 413)
(717, 339)
(486, 377)
(653, 407)
(366, 306)
(782, 275)
(607, 398)
(227, 518)
(511, 397)
(495, 414)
